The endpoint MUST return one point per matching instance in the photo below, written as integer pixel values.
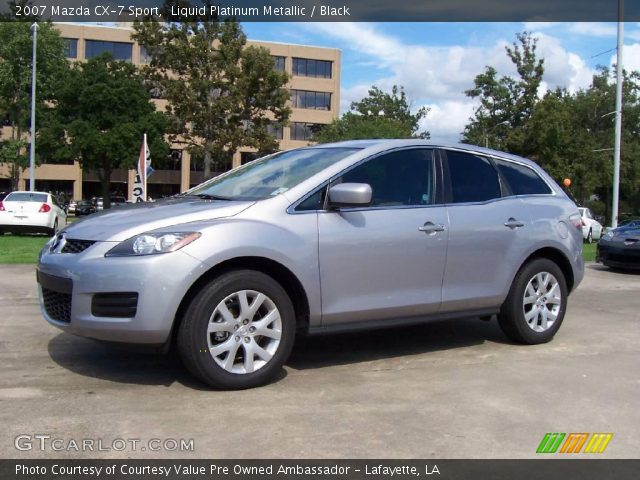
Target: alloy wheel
(542, 301)
(244, 332)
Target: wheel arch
(280, 273)
(558, 258)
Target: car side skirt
(399, 322)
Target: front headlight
(153, 244)
(609, 235)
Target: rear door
(487, 233)
(386, 260)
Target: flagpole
(144, 166)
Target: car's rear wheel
(54, 229)
(238, 331)
(534, 309)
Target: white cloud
(561, 67)
(630, 57)
(437, 76)
(447, 120)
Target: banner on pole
(143, 170)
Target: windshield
(271, 175)
(26, 197)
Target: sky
(437, 62)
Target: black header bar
(328, 10)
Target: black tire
(589, 237)
(512, 317)
(192, 333)
(54, 230)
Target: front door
(386, 260)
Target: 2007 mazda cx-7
(350, 235)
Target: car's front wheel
(534, 309)
(238, 331)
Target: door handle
(430, 228)
(513, 223)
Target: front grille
(76, 246)
(57, 305)
(116, 304)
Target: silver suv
(346, 236)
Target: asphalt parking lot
(443, 390)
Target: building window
(275, 130)
(70, 47)
(118, 50)
(145, 57)
(279, 63)
(311, 100)
(306, 67)
(303, 131)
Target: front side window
(271, 175)
(118, 50)
(473, 178)
(401, 178)
(521, 179)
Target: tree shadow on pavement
(130, 365)
(119, 364)
(366, 346)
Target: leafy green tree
(379, 115)
(102, 112)
(506, 103)
(222, 95)
(15, 83)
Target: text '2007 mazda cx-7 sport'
(343, 236)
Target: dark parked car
(634, 222)
(84, 207)
(620, 247)
(118, 201)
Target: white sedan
(31, 212)
(591, 228)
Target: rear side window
(522, 180)
(473, 178)
(26, 197)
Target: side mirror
(345, 195)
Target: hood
(123, 222)
(630, 236)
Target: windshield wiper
(207, 196)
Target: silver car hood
(120, 223)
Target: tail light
(576, 221)
(45, 208)
(1, 207)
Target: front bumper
(618, 255)
(74, 280)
